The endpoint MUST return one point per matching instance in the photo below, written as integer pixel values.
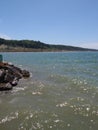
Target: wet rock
(25, 73)
(4, 87)
(10, 75)
(2, 75)
(14, 82)
(17, 72)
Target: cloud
(90, 45)
(5, 36)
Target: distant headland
(35, 46)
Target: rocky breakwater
(10, 76)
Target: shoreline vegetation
(35, 46)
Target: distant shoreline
(47, 51)
(36, 46)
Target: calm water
(61, 94)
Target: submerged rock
(10, 75)
(4, 86)
(25, 73)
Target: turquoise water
(61, 94)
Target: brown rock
(4, 87)
(25, 73)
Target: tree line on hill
(37, 45)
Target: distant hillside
(31, 45)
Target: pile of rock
(10, 75)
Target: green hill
(31, 45)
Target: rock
(2, 75)
(4, 87)
(14, 82)
(10, 75)
(17, 72)
(25, 73)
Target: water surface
(61, 94)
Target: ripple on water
(9, 118)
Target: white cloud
(5, 36)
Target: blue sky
(67, 22)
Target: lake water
(61, 94)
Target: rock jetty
(10, 76)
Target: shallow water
(61, 94)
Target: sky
(66, 22)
